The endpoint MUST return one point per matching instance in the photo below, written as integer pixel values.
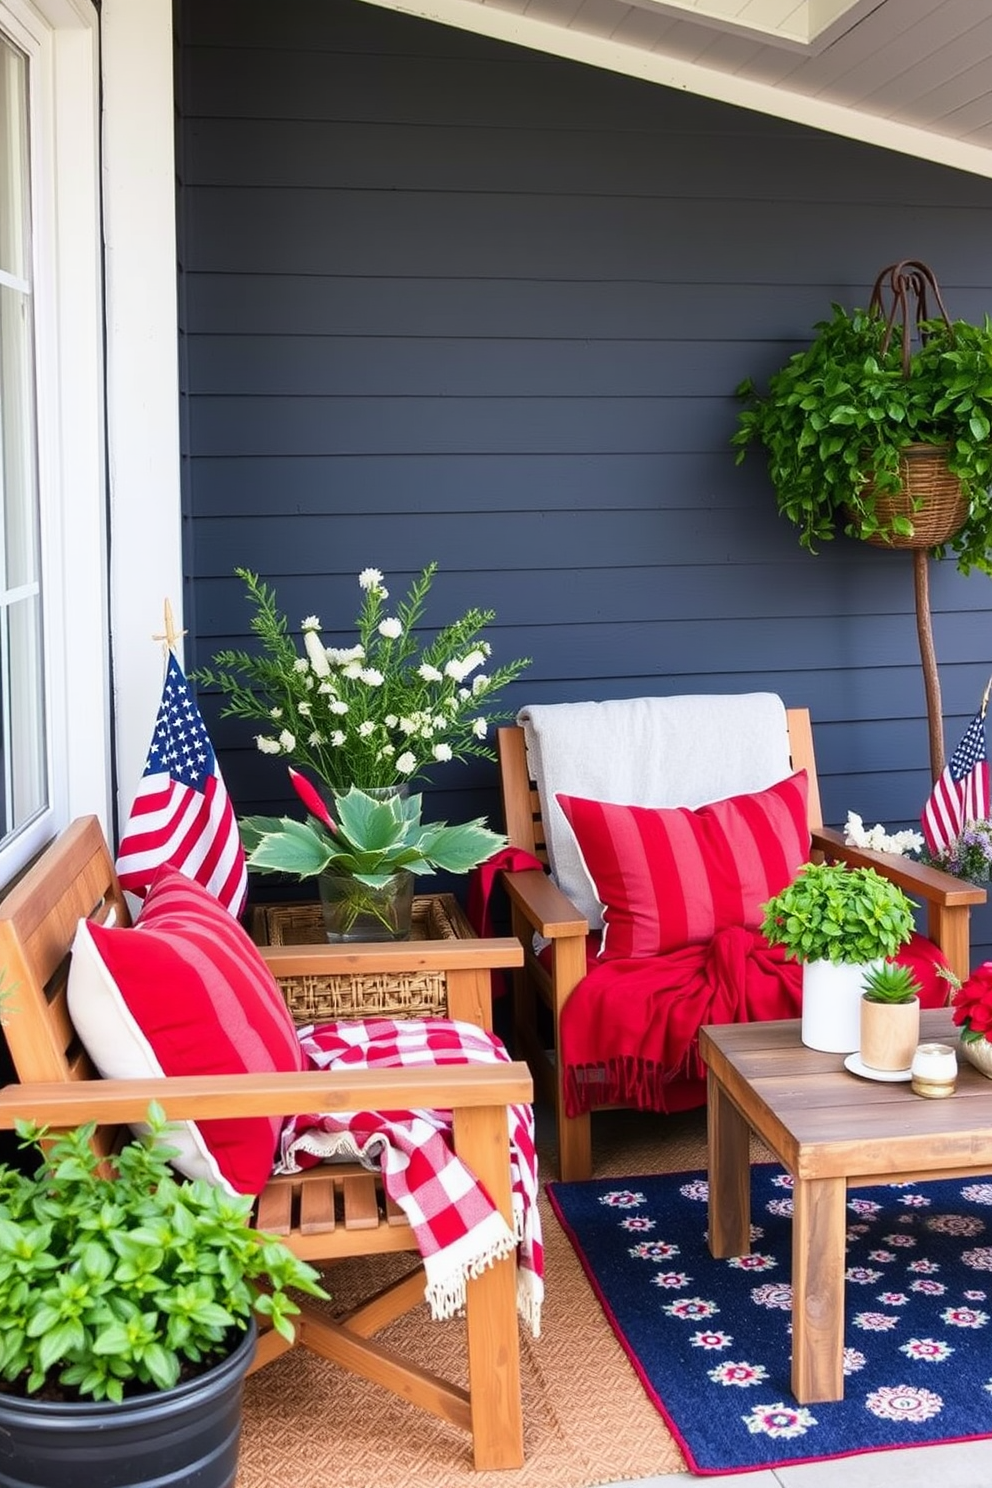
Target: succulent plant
(890, 982)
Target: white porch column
(142, 364)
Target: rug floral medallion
(710, 1340)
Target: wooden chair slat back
(522, 818)
(38, 920)
(803, 757)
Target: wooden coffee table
(832, 1131)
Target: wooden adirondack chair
(538, 906)
(324, 1214)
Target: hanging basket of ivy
(840, 424)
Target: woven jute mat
(587, 1420)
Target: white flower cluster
(374, 713)
(877, 839)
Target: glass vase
(355, 911)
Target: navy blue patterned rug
(710, 1339)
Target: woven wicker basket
(324, 998)
(926, 479)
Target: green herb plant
(838, 414)
(118, 1284)
(890, 983)
(830, 912)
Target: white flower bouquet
(373, 714)
(878, 839)
(968, 856)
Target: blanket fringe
(530, 1295)
(626, 1081)
(445, 1294)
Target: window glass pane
(17, 475)
(26, 733)
(23, 746)
(13, 162)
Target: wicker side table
(442, 970)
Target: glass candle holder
(934, 1070)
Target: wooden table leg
(819, 1232)
(729, 1150)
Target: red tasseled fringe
(629, 1081)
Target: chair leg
(482, 1140)
(574, 1132)
(574, 1147)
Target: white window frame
(61, 41)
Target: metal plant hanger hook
(903, 284)
(908, 279)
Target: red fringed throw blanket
(458, 1228)
(631, 1026)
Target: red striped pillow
(668, 877)
(185, 992)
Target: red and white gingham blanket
(458, 1228)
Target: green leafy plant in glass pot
(365, 857)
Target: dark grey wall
(444, 298)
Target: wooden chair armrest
(929, 884)
(186, 1097)
(391, 956)
(543, 905)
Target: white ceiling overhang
(799, 23)
(913, 76)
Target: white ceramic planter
(831, 1018)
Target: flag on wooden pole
(182, 814)
(961, 793)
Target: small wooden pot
(890, 1032)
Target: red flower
(972, 1003)
(310, 797)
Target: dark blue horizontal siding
(424, 425)
(447, 299)
(519, 235)
(241, 485)
(245, 305)
(569, 593)
(584, 156)
(470, 367)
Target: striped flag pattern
(962, 792)
(182, 814)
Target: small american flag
(182, 814)
(962, 792)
